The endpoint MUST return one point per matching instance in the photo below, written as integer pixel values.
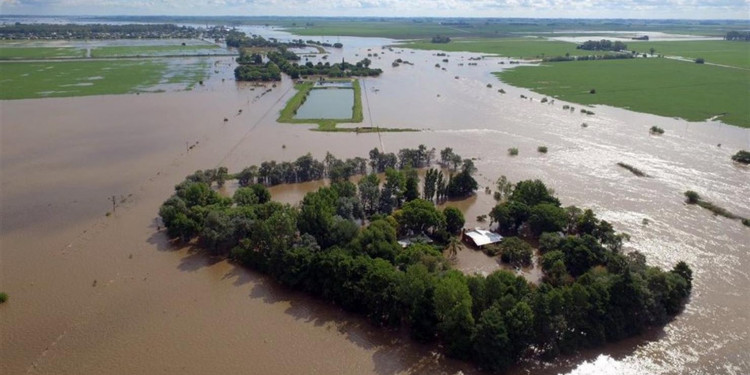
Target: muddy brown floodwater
(93, 294)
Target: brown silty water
(94, 294)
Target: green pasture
(166, 50)
(665, 87)
(732, 53)
(23, 80)
(38, 53)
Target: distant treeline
(602, 45)
(592, 292)
(738, 35)
(104, 31)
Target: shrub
(692, 197)
(3, 297)
(542, 149)
(742, 156)
(656, 130)
(513, 151)
(492, 249)
(515, 251)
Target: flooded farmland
(92, 294)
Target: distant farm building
(481, 237)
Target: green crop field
(664, 87)
(166, 50)
(391, 29)
(79, 78)
(723, 52)
(529, 48)
(31, 53)
(408, 28)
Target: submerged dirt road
(94, 294)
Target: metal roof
(483, 237)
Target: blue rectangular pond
(329, 103)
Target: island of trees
(340, 244)
(603, 45)
(265, 59)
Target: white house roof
(483, 237)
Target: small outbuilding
(481, 237)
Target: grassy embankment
(23, 80)
(329, 125)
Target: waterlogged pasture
(664, 87)
(29, 53)
(165, 50)
(22, 80)
(524, 48)
(731, 53)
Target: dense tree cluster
(738, 35)
(253, 67)
(609, 56)
(592, 293)
(602, 45)
(239, 39)
(101, 31)
(324, 44)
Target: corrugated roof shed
(483, 237)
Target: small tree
(692, 197)
(454, 219)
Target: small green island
(341, 244)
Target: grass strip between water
(633, 169)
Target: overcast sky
(691, 9)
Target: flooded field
(92, 294)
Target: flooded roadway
(93, 294)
